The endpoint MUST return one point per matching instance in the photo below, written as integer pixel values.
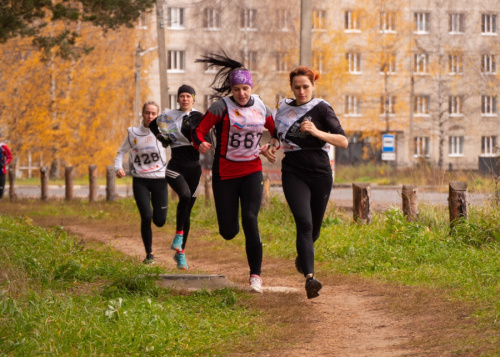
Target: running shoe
(180, 258)
(298, 266)
(313, 286)
(177, 243)
(255, 284)
(150, 259)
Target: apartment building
(422, 70)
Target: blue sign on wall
(388, 147)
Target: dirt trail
(343, 321)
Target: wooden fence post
(361, 195)
(68, 182)
(265, 192)
(110, 183)
(410, 202)
(208, 188)
(457, 201)
(44, 177)
(12, 178)
(92, 183)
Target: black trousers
(185, 181)
(150, 192)
(228, 196)
(307, 198)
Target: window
(388, 63)
(455, 105)
(456, 146)
(422, 22)
(488, 105)
(455, 64)
(143, 22)
(175, 18)
(421, 146)
(281, 62)
(208, 101)
(284, 17)
(488, 145)
(317, 61)
(173, 100)
(488, 64)
(488, 24)
(387, 104)
(176, 61)
(248, 19)
(211, 20)
(352, 105)
(319, 20)
(387, 21)
(421, 105)
(250, 60)
(456, 24)
(421, 63)
(353, 62)
(351, 21)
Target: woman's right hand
(120, 173)
(204, 147)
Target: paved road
(343, 195)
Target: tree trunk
(458, 202)
(68, 178)
(410, 202)
(361, 194)
(92, 183)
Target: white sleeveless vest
(170, 123)
(286, 115)
(147, 154)
(245, 129)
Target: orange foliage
(71, 112)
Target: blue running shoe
(180, 258)
(177, 243)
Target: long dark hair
(220, 85)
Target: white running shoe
(255, 284)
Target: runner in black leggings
(173, 128)
(237, 179)
(306, 127)
(147, 161)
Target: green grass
(463, 263)
(58, 297)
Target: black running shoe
(150, 259)
(297, 265)
(312, 287)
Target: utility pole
(305, 32)
(137, 104)
(162, 56)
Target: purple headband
(240, 76)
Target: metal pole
(138, 65)
(305, 32)
(162, 56)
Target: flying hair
(221, 83)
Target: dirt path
(343, 321)
(351, 317)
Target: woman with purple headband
(239, 120)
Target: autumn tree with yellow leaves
(69, 113)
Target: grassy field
(60, 297)
(111, 303)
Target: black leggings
(307, 198)
(227, 196)
(184, 180)
(2, 183)
(156, 191)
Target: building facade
(422, 70)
